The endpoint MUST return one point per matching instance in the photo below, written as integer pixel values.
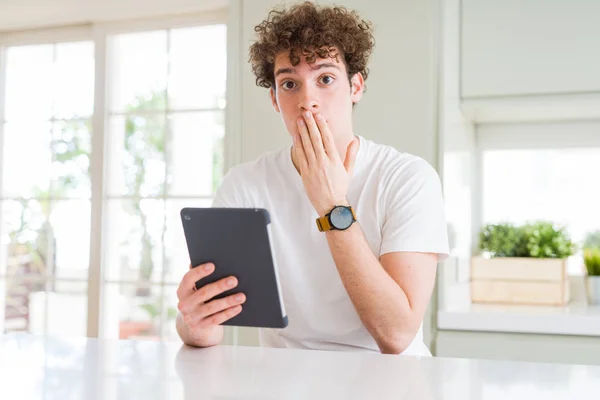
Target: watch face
(341, 217)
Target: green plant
(540, 239)
(591, 258)
(502, 240)
(545, 240)
(592, 240)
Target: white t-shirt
(398, 202)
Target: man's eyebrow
(285, 71)
(327, 65)
(316, 67)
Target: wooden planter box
(532, 281)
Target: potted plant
(591, 259)
(522, 264)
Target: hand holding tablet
(195, 305)
(235, 280)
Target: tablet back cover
(237, 242)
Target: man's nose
(308, 101)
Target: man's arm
(390, 295)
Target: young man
(348, 283)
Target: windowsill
(456, 312)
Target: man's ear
(357, 87)
(274, 100)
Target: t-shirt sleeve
(415, 219)
(230, 193)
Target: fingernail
(239, 297)
(208, 267)
(319, 117)
(300, 122)
(230, 282)
(307, 114)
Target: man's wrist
(210, 336)
(324, 210)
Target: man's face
(322, 88)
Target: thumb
(351, 156)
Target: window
(551, 184)
(163, 150)
(45, 191)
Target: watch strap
(323, 224)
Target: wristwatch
(339, 218)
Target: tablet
(238, 242)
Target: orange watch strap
(323, 224)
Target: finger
(207, 292)
(306, 143)
(190, 303)
(350, 159)
(299, 154)
(327, 137)
(315, 136)
(219, 318)
(219, 305)
(188, 282)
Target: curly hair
(312, 31)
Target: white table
(65, 368)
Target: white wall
(530, 47)
(540, 135)
(399, 108)
(28, 14)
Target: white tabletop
(60, 368)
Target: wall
(399, 108)
(540, 135)
(530, 47)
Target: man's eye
(288, 85)
(327, 79)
